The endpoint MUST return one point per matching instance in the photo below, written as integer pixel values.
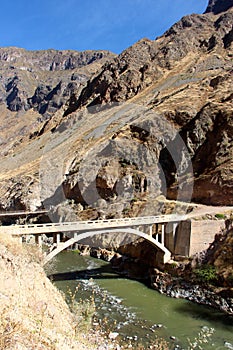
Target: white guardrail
(88, 225)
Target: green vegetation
(83, 310)
(77, 251)
(206, 274)
(126, 210)
(220, 216)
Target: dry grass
(34, 315)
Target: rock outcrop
(195, 57)
(217, 6)
(44, 80)
(157, 119)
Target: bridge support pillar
(151, 230)
(170, 239)
(38, 240)
(157, 232)
(56, 238)
(174, 227)
(163, 234)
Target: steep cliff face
(146, 61)
(156, 119)
(44, 80)
(186, 77)
(217, 6)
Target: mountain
(96, 134)
(43, 80)
(218, 6)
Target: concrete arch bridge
(161, 231)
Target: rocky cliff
(157, 119)
(44, 80)
(217, 6)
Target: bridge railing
(89, 225)
(135, 220)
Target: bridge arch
(165, 253)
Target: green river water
(136, 312)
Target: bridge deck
(88, 225)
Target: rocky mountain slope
(44, 80)
(157, 119)
(217, 6)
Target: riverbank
(34, 314)
(175, 287)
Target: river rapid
(137, 313)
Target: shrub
(207, 274)
(220, 216)
(134, 200)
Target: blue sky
(89, 24)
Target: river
(138, 313)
